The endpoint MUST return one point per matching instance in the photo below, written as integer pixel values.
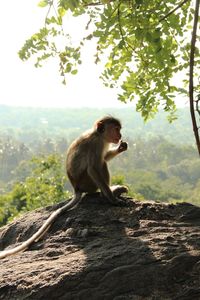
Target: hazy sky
(23, 84)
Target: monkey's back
(80, 154)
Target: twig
(121, 32)
(93, 4)
(173, 10)
(48, 12)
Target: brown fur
(87, 158)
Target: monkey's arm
(112, 153)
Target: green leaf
(149, 37)
(139, 2)
(173, 59)
(97, 33)
(73, 4)
(43, 3)
(68, 68)
(61, 11)
(74, 72)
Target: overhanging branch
(173, 10)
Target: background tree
(44, 185)
(146, 43)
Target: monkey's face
(113, 134)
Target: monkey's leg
(117, 190)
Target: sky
(24, 85)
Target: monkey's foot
(117, 190)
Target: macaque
(87, 169)
(87, 160)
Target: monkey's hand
(123, 146)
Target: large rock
(146, 250)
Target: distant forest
(27, 124)
(161, 163)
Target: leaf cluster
(146, 44)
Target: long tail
(36, 236)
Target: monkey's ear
(100, 127)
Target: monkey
(87, 170)
(87, 158)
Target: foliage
(160, 170)
(44, 186)
(146, 43)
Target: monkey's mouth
(117, 141)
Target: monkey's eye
(117, 129)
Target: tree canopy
(146, 44)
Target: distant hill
(69, 122)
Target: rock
(145, 250)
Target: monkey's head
(109, 128)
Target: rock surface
(145, 250)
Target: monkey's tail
(36, 236)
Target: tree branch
(93, 4)
(173, 10)
(191, 75)
(121, 32)
(96, 3)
